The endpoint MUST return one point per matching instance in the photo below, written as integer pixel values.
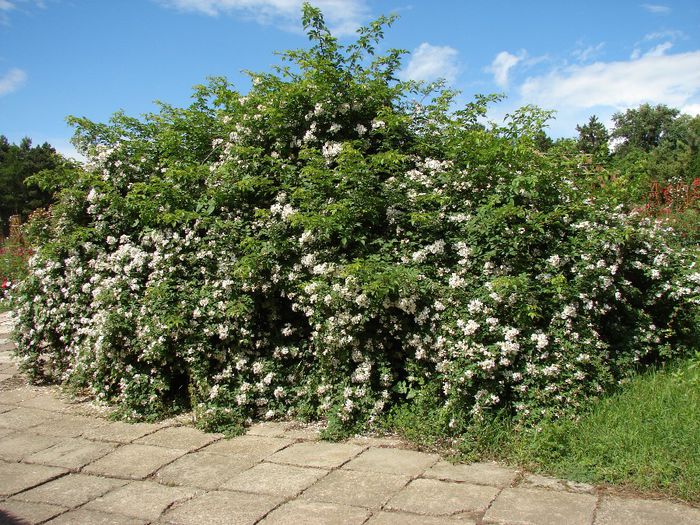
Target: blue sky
(93, 57)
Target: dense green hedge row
(336, 242)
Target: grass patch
(645, 437)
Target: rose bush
(337, 242)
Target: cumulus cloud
(12, 81)
(652, 78)
(429, 62)
(502, 64)
(343, 16)
(657, 8)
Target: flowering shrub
(327, 247)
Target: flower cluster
(323, 247)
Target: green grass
(646, 437)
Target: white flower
(331, 149)
(361, 130)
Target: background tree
(593, 137)
(19, 162)
(643, 127)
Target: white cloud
(430, 62)
(672, 34)
(343, 16)
(12, 81)
(657, 8)
(502, 64)
(6, 5)
(691, 109)
(584, 54)
(659, 50)
(664, 79)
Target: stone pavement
(61, 463)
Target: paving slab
(356, 489)
(634, 511)
(316, 513)
(24, 418)
(120, 432)
(140, 499)
(16, 477)
(486, 473)
(316, 454)
(222, 507)
(28, 512)
(6, 408)
(203, 470)
(17, 395)
(401, 518)
(134, 461)
(93, 517)
(392, 461)
(257, 447)
(67, 426)
(71, 453)
(377, 441)
(186, 438)
(19, 444)
(541, 507)
(275, 479)
(268, 429)
(71, 491)
(442, 498)
(47, 401)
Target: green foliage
(19, 165)
(644, 127)
(593, 138)
(336, 244)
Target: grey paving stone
(30, 512)
(268, 429)
(203, 470)
(257, 447)
(93, 517)
(392, 461)
(71, 453)
(47, 401)
(16, 477)
(140, 499)
(271, 478)
(6, 408)
(17, 395)
(487, 473)
(633, 511)
(71, 491)
(222, 507)
(442, 498)
(134, 461)
(401, 518)
(321, 454)
(67, 426)
(377, 442)
(302, 432)
(119, 432)
(539, 481)
(4, 376)
(541, 507)
(184, 438)
(356, 489)
(23, 418)
(7, 347)
(315, 513)
(19, 444)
